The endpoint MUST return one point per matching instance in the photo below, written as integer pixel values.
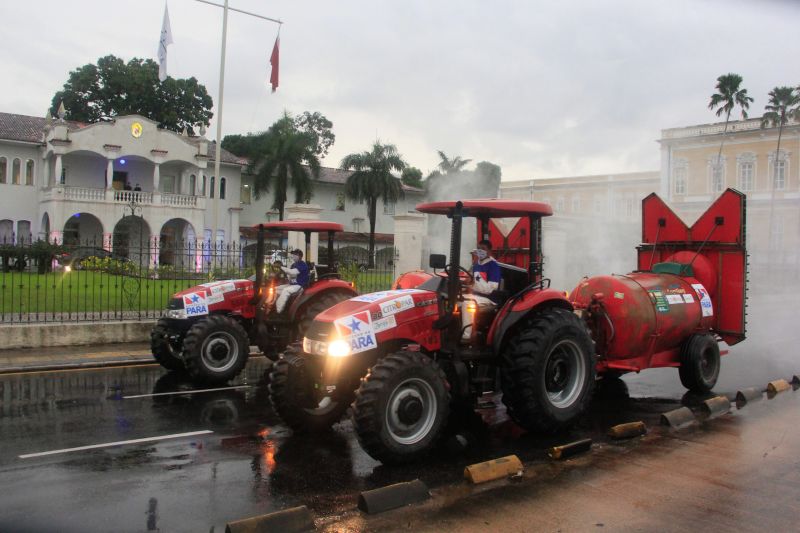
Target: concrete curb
(79, 364)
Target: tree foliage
(284, 157)
(729, 95)
(114, 88)
(451, 166)
(315, 124)
(412, 176)
(372, 180)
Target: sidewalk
(64, 357)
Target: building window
(717, 178)
(168, 184)
(6, 231)
(220, 235)
(746, 172)
(222, 184)
(340, 201)
(192, 185)
(679, 178)
(16, 170)
(24, 231)
(388, 207)
(780, 175)
(629, 207)
(560, 205)
(211, 188)
(63, 178)
(245, 194)
(576, 204)
(598, 205)
(29, 172)
(203, 186)
(3, 169)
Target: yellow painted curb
(779, 385)
(568, 450)
(495, 469)
(627, 431)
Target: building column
(409, 230)
(156, 176)
(109, 173)
(57, 170)
(297, 239)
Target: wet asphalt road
(248, 463)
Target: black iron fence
(101, 281)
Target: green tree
(782, 106)
(373, 180)
(729, 95)
(314, 124)
(412, 176)
(285, 158)
(113, 88)
(451, 166)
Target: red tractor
(208, 329)
(403, 359)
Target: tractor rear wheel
(164, 351)
(321, 303)
(549, 371)
(401, 407)
(215, 349)
(291, 391)
(700, 363)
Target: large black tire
(215, 349)
(549, 371)
(291, 391)
(320, 303)
(401, 407)
(164, 352)
(700, 363)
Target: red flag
(274, 60)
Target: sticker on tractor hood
(705, 299)
(223, 287)
(214, 298)
(358, 331)
(674, 299)
(382, 324)
(398, 304)
(375, 296)
(195, 304)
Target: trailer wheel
(549, 371)
(322, 303)
(292, 395)
(215, 349)
(401, 407)
(700, 363)
(164, 352)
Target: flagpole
(218, 145)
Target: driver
(486, 275)
(298, 279)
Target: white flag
(166, 39)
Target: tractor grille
(175, 303)
(320, 331)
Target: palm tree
(373, 180)
(285, 157)
(725, 100)
(451, 166)
(782, 106)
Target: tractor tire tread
(161, 348)
(192, 345)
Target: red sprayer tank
(690, 280)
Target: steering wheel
(464, 275)
(276, 272)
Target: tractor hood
(371, 318)
(214, 293)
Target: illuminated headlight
(339, 348)
(179, 314)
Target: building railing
(84, 194)
(713, 129)
(93, 194)
(179, 200)
(140, 197)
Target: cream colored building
(693, 175)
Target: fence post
(409, 229)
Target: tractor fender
(318, 288)
(517, 309)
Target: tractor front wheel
(164, 351)
(401, 407)
(549, 373)
(215, 349)
(700, 363)
(291, 391)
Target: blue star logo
(195, 298)
(355, 325)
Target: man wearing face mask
(298, 279)
(486, 275)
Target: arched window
(3, 169)
(16, 170)
(29, 172)
(192, 185)
(203, 186)
(23, 231)
(211, 189)
(222, 188)
(6, 231)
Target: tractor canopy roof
(301, 225)
(490, 207)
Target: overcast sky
(542, 88)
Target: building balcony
(91, 195)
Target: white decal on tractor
(195, 304)
(384, 323)
(705, 299)
(398, 304)
(357, 330)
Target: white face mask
(295, 258)
(481, 254)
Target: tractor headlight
(339, 348)
(178, 314)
